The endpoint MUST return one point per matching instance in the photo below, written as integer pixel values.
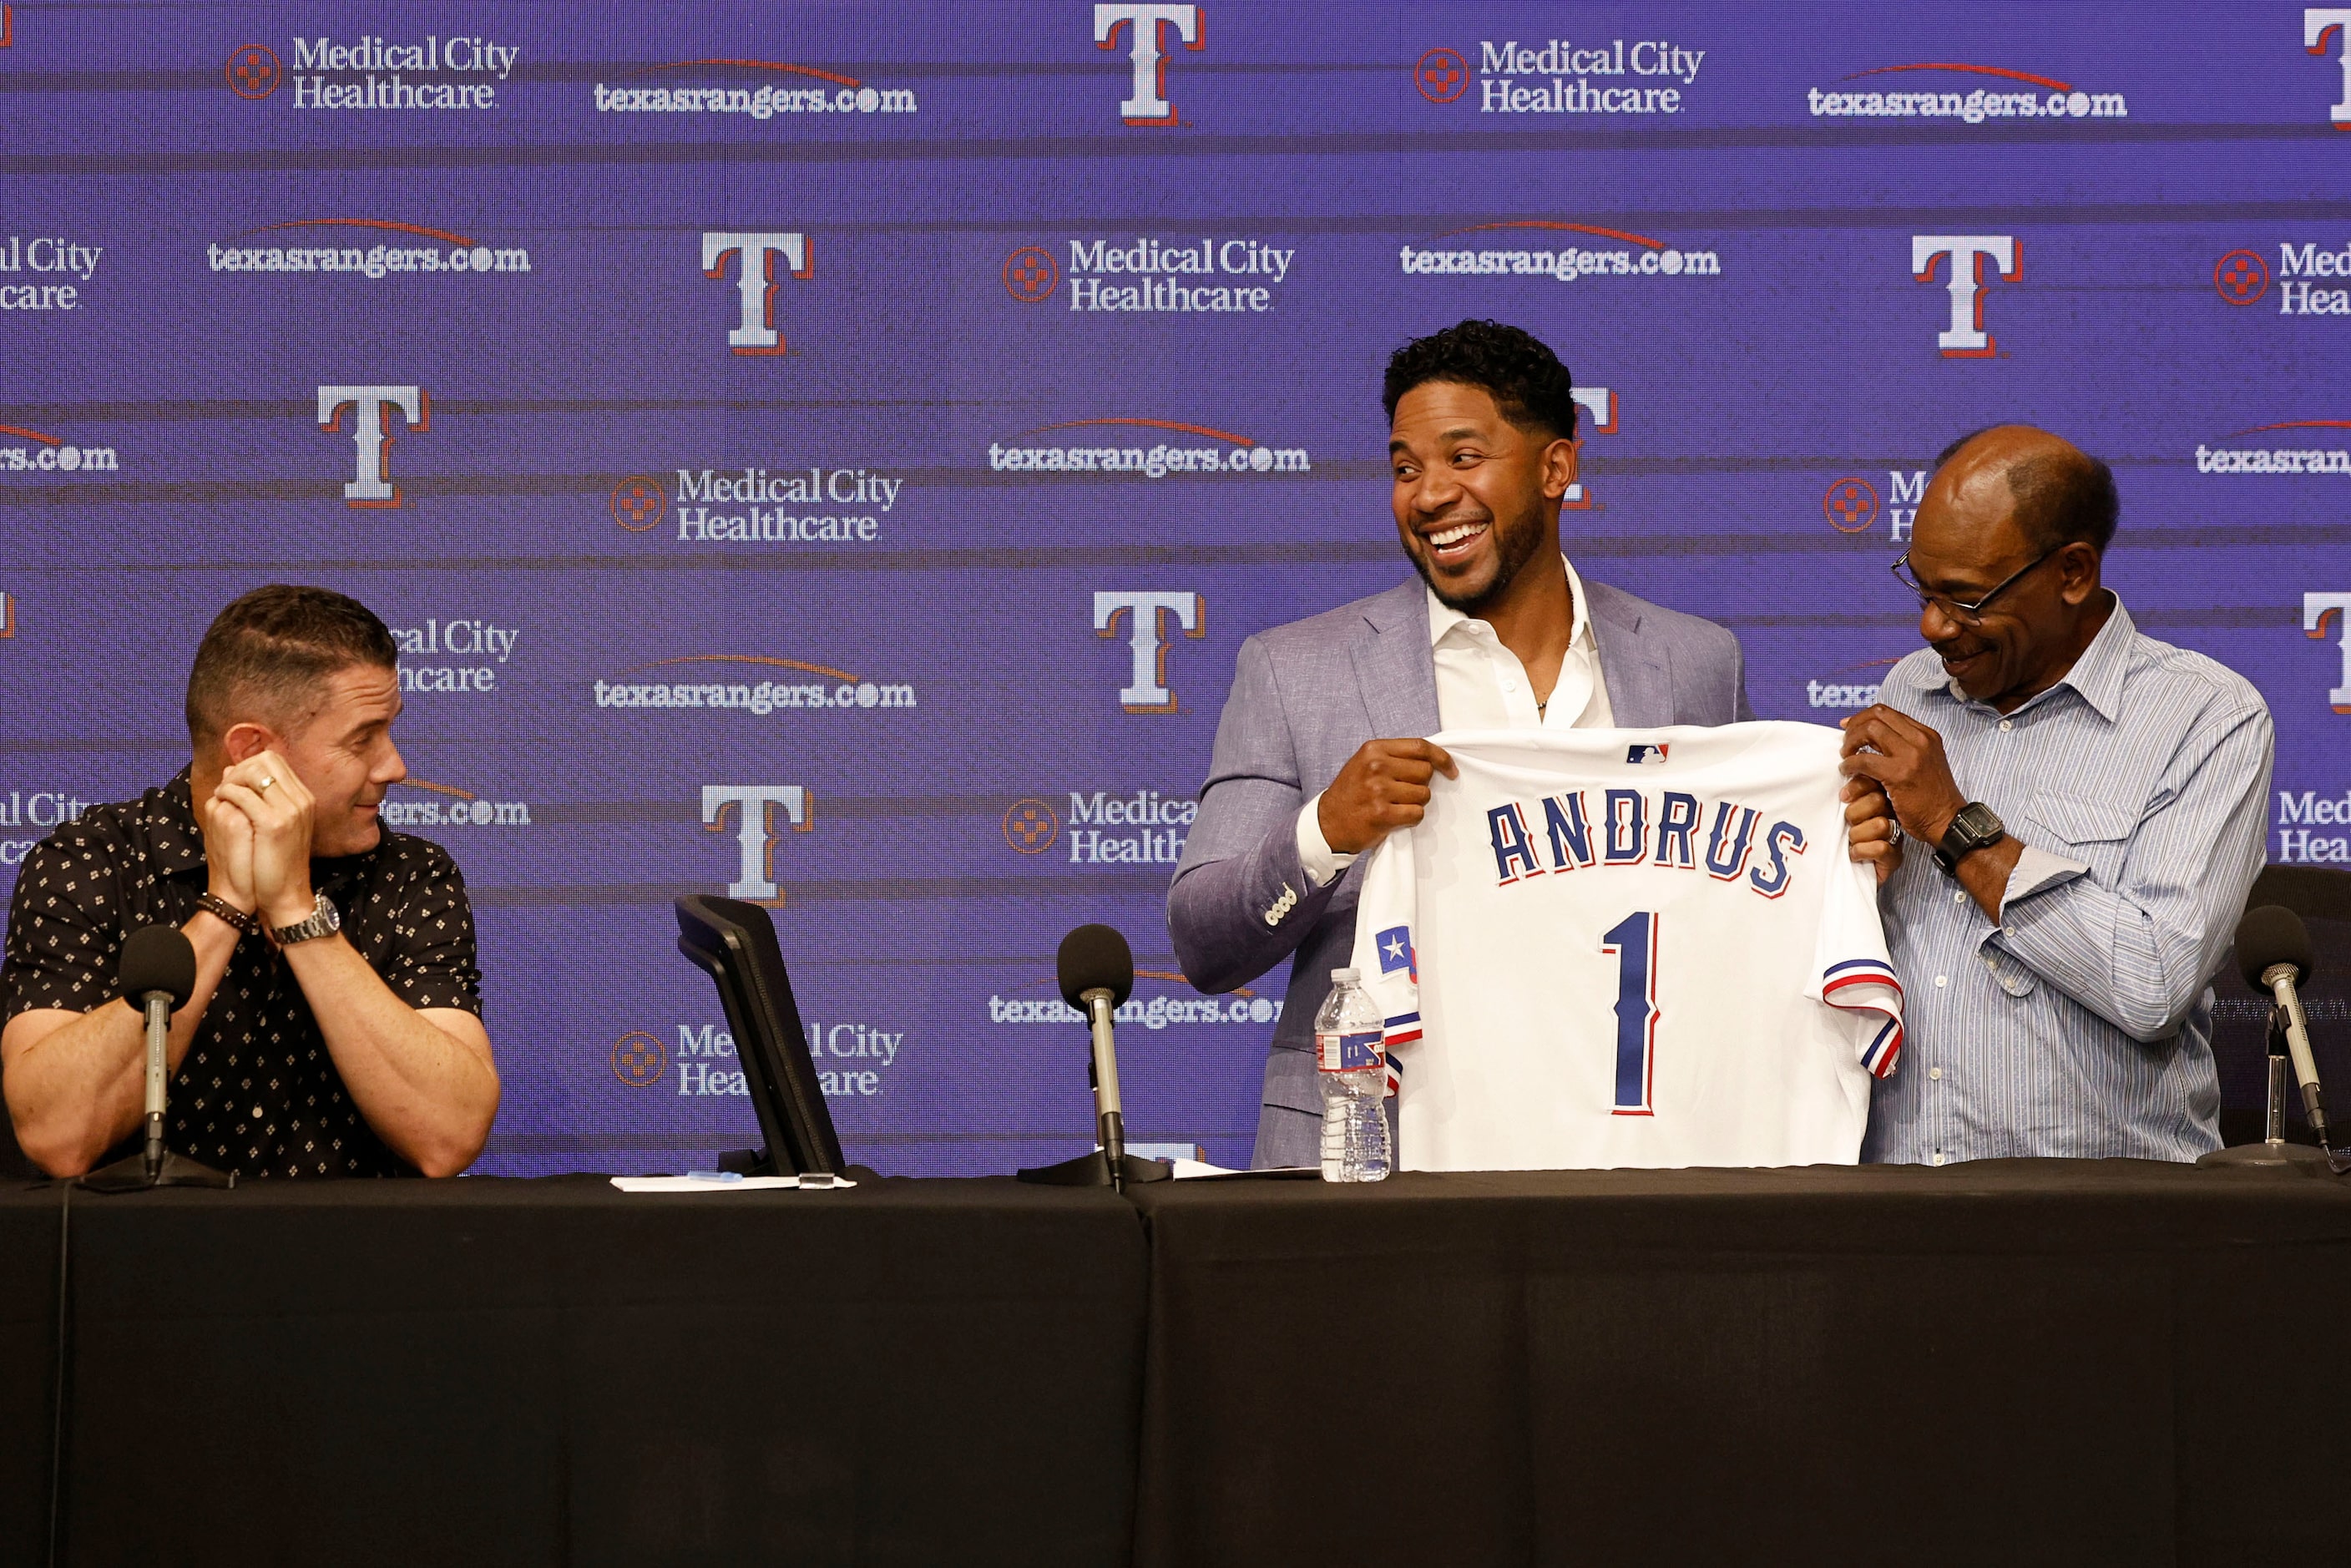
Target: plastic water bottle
(1353, 1072)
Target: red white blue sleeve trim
(1868, 985)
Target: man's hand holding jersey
(1385, 785)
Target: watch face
(1981, 825)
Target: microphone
(1096, 970)
(158, 973)
(2274, 955)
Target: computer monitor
(734, 944)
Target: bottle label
(1336, 1052)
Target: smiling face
(341, 750)
(1966, 542)
(1476, 497)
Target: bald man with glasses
(2082, 807)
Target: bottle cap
(1346, 976)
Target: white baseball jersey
(1630, 948)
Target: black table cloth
(2014, 1362)
(2006, 1361)
(552, 1371)
(28, 1358)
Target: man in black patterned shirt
(336, 1025)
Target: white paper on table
(690, 1184)
(1195, 1170)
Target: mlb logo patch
(1395, 951)
(1645, 756)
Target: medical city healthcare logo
(818, 506)
(1241, 455)
(49, 255)
(1933, 91)
(1107, 827)
(339, 248)
(1852, 504)
(1145, 29)
(2241, 278)
(754, 256)
(1561, 76)
(456, 655)
(1966, 257)
(1030, 826)
(2271, 456)
(433, 73)
(1208, 276)
(639, 1058)
(1636, 257)
(724, 87)
(2312, 279)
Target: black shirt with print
(257, 1092)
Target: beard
(1515, 544)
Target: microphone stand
(2274, 1151)
(156, 1166)
(1109, 1164)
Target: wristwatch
(1976, 827)
(324, 921)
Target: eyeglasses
(1964, 613)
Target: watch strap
(323, 921)
(221, 908)
(1976, 826)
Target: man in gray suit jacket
(1317, 755)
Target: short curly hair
(1529, 384)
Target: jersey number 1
(1633, 945)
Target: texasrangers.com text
(1972, 108)
(376, 261)
(1154, 463)
(762, 699)
(1156, 1013)
(764, 103)
(1566, 266)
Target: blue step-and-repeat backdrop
(830, 452)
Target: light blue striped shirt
(2082, 1023)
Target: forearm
(1234, 918)
(77, 1085)
(2139, 952)
(428, 1096)
(1984, 876)
(77, 1091)
(2116, 957)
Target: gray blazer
(1304, 698)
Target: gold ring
(266, 783)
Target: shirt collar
(1443, 617)
(2096, 676)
